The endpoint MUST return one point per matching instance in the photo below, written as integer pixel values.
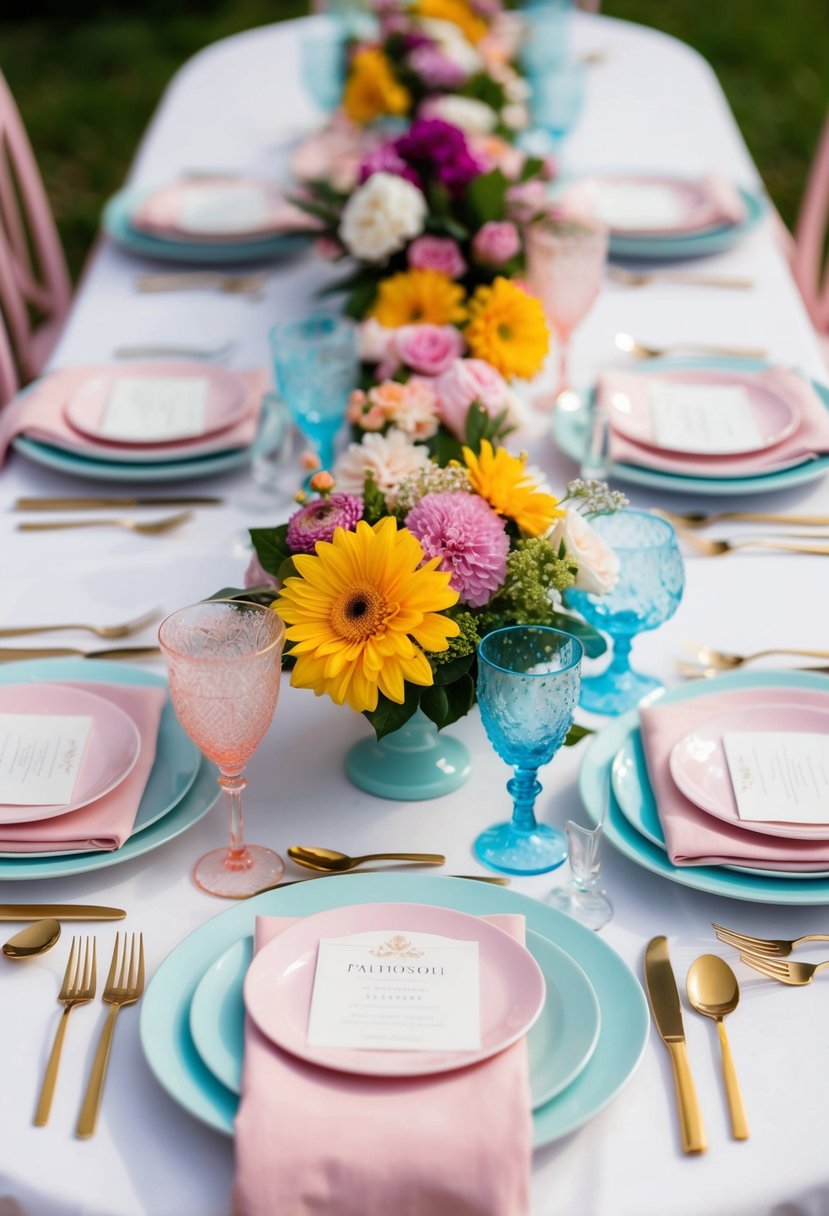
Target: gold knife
(667, 1012)
(10, 912)
(105, 504)
(295, 882)
(9, 654)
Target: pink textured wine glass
(224, 665)
(565, 268)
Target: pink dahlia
(469, 538)
(319, 519)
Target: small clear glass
(583, 898)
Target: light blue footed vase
(413, 763)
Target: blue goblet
(528, 688)
(316, 366)
(557, 99)
(322, 63)
(651, 581)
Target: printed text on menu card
(780, 776)
(395, 990)
(40, 755)
(702, 417)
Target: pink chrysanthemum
(319, 519)
(469, 538)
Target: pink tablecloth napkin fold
(311, 1140)
(107, 822)
(693, 837)
(38, 414)
(807, 442)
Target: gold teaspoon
(314, 858)
(713, 991)
(34, 939)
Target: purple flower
(436, 70)
(468, 537)
(437, 150)
(319, 519)
(386, 159)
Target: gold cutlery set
(687, 527)
(770, 956)
(144, 527)
(123, 629)
(709, 662)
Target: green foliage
(484, 198)
(389, 716)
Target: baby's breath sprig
(595, 497)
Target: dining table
(652, 103)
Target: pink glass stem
(238, 854)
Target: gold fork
(630, 346)
(233, 284)
(102, 631)
(716, 548)
(152, 527)
(692, 671)
(768, 947)
(124, 986)
(784, 970)
(698, 519)
(636, 278)
(78, 988)
(724, 661)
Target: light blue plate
(595, 777)
(560, 1042)
(572, 430)
(198, 788)
(165, 1015)
(116, 222)
(693, 244)
(271, 426)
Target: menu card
(155, 408)
(223, 209)
(702, 417)
(40, 755)
(395, 990)
(779, 776)
(638, 205)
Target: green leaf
(590, 638)
(389, 716)
(447, 673)
(434, 702)
(360, 300)
(484, 197)
(477, 421)
(576, 733)
(531, 168)
(444, 447)
(270, 546)
(348, 282)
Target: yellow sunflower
(360, 612)
(507, 327)
(371, 89)
(414, 296)
(504, 482)
(456, 11)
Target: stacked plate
(180, 787)
(708, 426)
(208, 221)
(615, 774)
(590, 1026)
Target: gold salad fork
(768, 947)
(638, 278)
(723, 661)
(716, 548)
(784, 970)
(124, 986)
(102, 631)
(149, 527)
(78, 988)
(699, 519)
(233, 284)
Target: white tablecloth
(652, 103)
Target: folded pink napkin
(693, 837)
(310, 1139)
(38, 413)
(107, 822)
(162, 213)
(807, 442)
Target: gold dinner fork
(692, 671)
(768, 947)
(233, 284)
(638, 278)
(716, 548)
(784, 970)
(150, 527)
(78, 988)
(102, 631)
(723, 661)
(124, 986)
(699, 519)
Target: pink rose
(437, 253)
(527, 200)
(428, 349)
(469, 380)
(496, 242)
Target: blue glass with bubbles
(650, 586)
(528, 689)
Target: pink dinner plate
(222, 395)
(219, 209)
(651, 205)
(775, 415)
(280, 983)
(112, 745)
(699, 768)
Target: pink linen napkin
(102, 825)
(38, 414)
(310, 1139)
(160, 212)
(807, 442)
(693, 837)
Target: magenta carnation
(319, 519)
(468, 537)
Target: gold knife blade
(105, 504)
(295, 882)
(667, 1013)
(15, 912)
(10, 654)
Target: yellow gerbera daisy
(504, 482)
(507, 327)
(362, 612)
(414, 296)
(456, 11)
(371, 89)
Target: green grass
(87, 86)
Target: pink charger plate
(164, 211)
(698, 204)
(112, 746)
(699, 768)
(280, 982)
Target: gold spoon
(34, 939)
(314, 858)
(714, 992)
(639, 350)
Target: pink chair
(8, 371)
(35, 290)
(810, 271)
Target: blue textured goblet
(528, 688)
(651, 581)
(557, 98)
(316, 366)
(322, 63)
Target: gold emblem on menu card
(396, 947)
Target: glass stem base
(589, 906)
(238, 873)
(616, 692)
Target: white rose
(453, 44)
(388, 458)
(515, 116)
(374, 341)
(470, 115)
(598, 564)
(381, 217)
